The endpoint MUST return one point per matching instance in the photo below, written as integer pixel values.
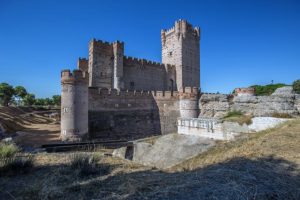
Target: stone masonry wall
(141, 74)
(131, 115)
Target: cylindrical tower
(189, 102)
(74, 105)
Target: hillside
(265, 165)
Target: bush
(8, 150)
(11, 163)
(296, 86)
(239, 117)
(235, 113)
(86, 164)
(263, 90)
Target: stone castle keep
(114, 96)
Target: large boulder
(263, 123)
(167, 150)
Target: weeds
(239, 117)
(11, 163)
(87, 164)
(281, 115)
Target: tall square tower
(181, 47)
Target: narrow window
(131, 85)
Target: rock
(234, 128)
(7, 140)
(286, 91)
(297, 102)
(214, 105)
(120, 152)
(263, 123)
(167, 151)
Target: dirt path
(32, 128)
(37, 134)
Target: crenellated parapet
(189, 93)
(186, 93)
(83, 64)
(128, 60)
(181, 29)
(75, 77)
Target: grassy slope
(280, 142)
(263, 166)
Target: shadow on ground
(239, 178)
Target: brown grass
(281, 115)
(239, 117)
(261, 166)
(282, 142)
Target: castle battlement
(142, 62)
(181, 27)
(77, 76)
(186, 93)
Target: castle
(111, 95)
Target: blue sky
(243, 42)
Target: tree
(20, 93)
(48, 102)
(6, 93)
(40, 102)
(29, 99)
(56, 99)
(296, 86)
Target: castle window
(170, 53)
(132, 85)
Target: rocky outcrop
(283, 100)
(214, 105)
(297, 102)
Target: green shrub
(11, 163)
(234, 113)
(8, 150)
(263, 90)
(239, 117)
(296, 86)
(85, 164)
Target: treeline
(261, 90)
(19, 96)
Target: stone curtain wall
(131, 115)
(141, 74)
(283, 100)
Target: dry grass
(261, 166)
(239, 117)
(281, 115)
(281, 142)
